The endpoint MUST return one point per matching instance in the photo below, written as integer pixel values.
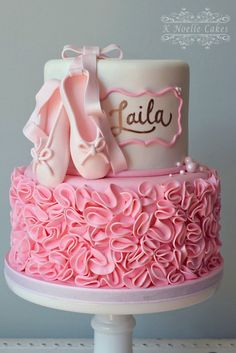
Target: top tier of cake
(146, 103)
(97, 116)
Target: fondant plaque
(145, 118)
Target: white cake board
(113, 322)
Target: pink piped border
(175, 90)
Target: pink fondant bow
(89, 149)
(101, 53)
(85, 59)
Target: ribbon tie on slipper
(41, 155)
(91, 148)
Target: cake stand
(113, 322)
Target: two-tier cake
(111, 198)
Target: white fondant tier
(146, 102)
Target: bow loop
(105, 52)
(70, 51)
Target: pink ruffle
(158, 235)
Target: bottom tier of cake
(137, 232)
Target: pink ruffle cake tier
(137, 232)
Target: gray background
(33, 31)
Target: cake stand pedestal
(113, 322)
(113, 333)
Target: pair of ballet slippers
(65, 123)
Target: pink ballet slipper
(94, 149)
(87, 143)
(48, 130)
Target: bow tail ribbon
(94, 110)
(116, 156)
(33, 129)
